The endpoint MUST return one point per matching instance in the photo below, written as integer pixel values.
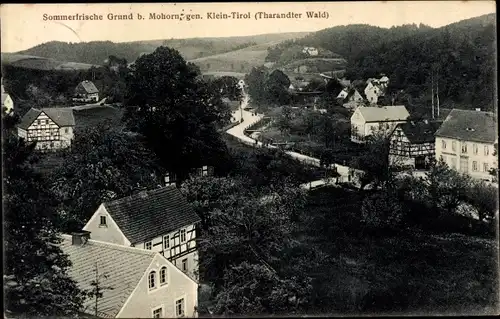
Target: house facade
(159, 220)
(7, 102)
(366, 121)
(350, 98)
(412, 144)
(86, 91)
(311, 51)
(137, 283)
(375, 88)
(466, 141)
(51, 128)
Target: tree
(227, 86)
(102, 164)
(284, 119)
(484, 198)
(382, 211)
(176, 112)
(256, 80)
(36, 280)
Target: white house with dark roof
(366, 121)
(465, 141)
(137, 283)
(7, 102)
(51, 128)
(86, 91)
(160, 220)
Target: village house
(366, 121)
(160, 220)
(312, 51)
(171, 179)
(375, 88)
(86, 91)
(7, 102)
(51, 128)
(412, 144)
(350, 98)
(465, 141)
(134, 282)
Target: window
(66, 130)
(38, 122)
(179, 307)
(453, 162)
(158, 312)
(152, 280)
(474, 166)
(147, 245)
(184, 265)
(475, 149)
(103, 221)
(464, 148)
(163, 276)
(443, 144)
(204, 171)
(464, 164)
(486, 150)
(454, 146)
(183, 235)
(166, 242)
(486, 167)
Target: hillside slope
(462, 56)
(96, 52)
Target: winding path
(250, 118)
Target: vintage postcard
(250, 159)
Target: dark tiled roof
(146, 215)
(123, 265)
(28, 118)
(420, 132)
(61, 116)
(469, 126)
(86, 87)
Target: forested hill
(462, 56)
(97, 51)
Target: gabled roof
(149, 214)
(385, 113)
(61, 116)
(4, 97)
(87, 86)
(419, 132)
(469, 126)
(123, 265)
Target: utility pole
(432, 92)
(437, 93)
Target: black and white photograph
(253, 159)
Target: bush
(381, 211)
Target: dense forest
(461, 56)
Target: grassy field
(408, 272)
(216, 74)
(317, 65)
(41, 63)
(92, 117)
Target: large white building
(160, 220)
(135, 283)
(465, 141)
(7, 102)
(366, 121)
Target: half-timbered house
(160, 220)
(412, 144)
(51, 128)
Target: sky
(23, 25)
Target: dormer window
(103, 222)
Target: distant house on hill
(50, 128)
(7, 102)
(312, 51)
(366, 121)
(466, 142)
(134, 282)
(412, 144)
(86, 91)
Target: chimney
(80, 238)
